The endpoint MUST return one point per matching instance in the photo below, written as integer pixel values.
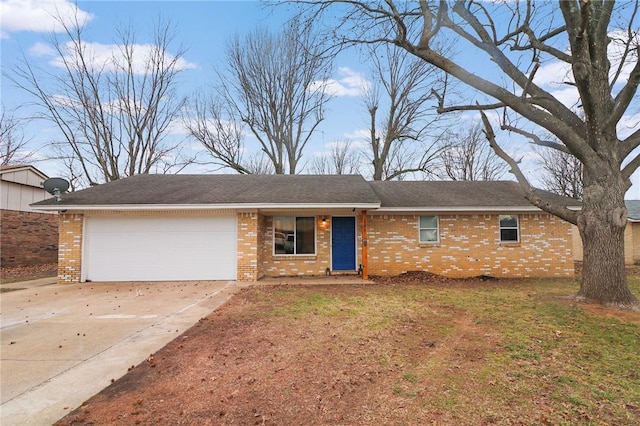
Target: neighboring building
(244, 227)
(27, 237)
(631, 236)
(632, 233)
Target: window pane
(283, 235)
(508, 235)
(508, 221)
(428, 235)
(428, 222)
(305, 235)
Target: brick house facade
(503, 238)
(469, 246)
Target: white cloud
(569, 97)
(359, 135)
(42, 49)
(348, 83)
(177, 128)
(39, 15)
(553, 74)
(106, 57)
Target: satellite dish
(55, 187)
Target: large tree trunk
(601, 223)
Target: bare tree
(397, 104)
(342, 159)
(113, 113)
(274, 84)
(561, 173)
(13, 143)
(468, 156)
(528, 36)
(259, 164)
(222, 135)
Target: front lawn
(451, 353)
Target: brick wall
(70, 248)
(28, 238)
(248, 236)
(469, 246)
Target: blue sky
(203, 27)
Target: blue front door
(343, 243)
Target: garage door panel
(160, 248)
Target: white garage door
(151, 248)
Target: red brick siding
(28, 238)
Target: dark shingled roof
(456, 194)
(633, 209)
(318, 190)
(225, 189)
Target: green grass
(517, 350)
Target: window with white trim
(429, 229)
(509, 232)
(294, 235)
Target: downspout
(365, 248)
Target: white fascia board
(456, 209)
(475, 209)
(248, 206)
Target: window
(509, 228)
(294, 235)
(428, 229)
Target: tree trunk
(601, 224)
(377, 169)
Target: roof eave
(238, 206)
(477, 209)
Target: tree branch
(535, 138)
(530, 193)
(631, 167)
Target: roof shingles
(299, 190)
(224, 189)
(455, 194)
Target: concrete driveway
(61, 344)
